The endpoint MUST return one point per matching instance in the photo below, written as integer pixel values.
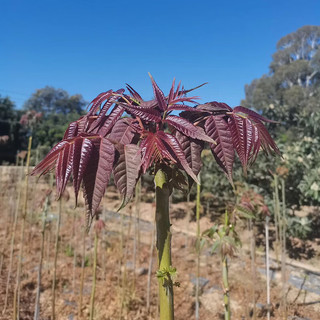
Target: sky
(87, 47)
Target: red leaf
(102, 114)
(96, 102)
(161, 99)
(217, 128)
(122, 132)
(214, 107)
(239, 138)
(267, 143)
(148, 104)
(187, 128)
(192, 150)
(97, 174)
(126, 170)
(72, 130)
(110, 121)
(252, 115)
(64, 168)
(134, 93)
(144, 113)
(175, 149)
(153, 150)
(50, 159)
(104, 169)
(182, 107)
(82, 152)
(89, 180)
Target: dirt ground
(121, 288)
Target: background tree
(58, 109)
(291, 91)
(50, 100)
(9, 128)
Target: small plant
(69, 251)
(299, 227)
(103, 142)
(225, 242)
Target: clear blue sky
(90, 46)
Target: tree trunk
(164, 245)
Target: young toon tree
(124, 135)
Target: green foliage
(299, 227)
(9, 130)
(166, 275)
(52, 128)
(58, 109)
(7, 110)
(54, 101)
(225, 239)
(69, 251)
(291, 91)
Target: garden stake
(13, 236)
(16, 296)
(94, 275)
(136, 239)
(198, 248)
(82, 270)
(150, 268)
(283, 250)
(56, 250)
(267, 266)
(44, 218)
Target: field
(126, 284)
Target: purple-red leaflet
(217, 128)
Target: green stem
(164, 243)
(226, 300)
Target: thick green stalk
(226, 300)
(94, 275)
(164, 245)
